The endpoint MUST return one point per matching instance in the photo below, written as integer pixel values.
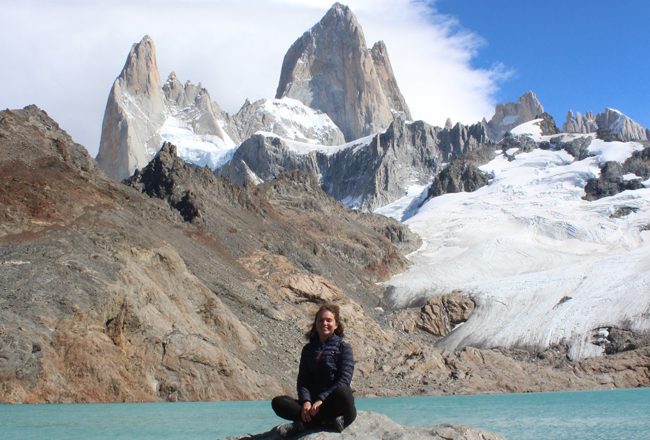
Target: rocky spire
(622, 126)
(331, 69)
(135, 111)
(387, 79)
(507, 116)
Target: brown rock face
(331, 69)
(438, 316)
(134, 113)
(387, 79)
(442, 313)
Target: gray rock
(330, 69)
(462, 174)
(365, 175)
(578, 147)
(289, 119)
(509, 115)
(624, 128)
(580, 124)
(373, 426)
(547, 124)
(610, 182)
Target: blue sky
(580, 55)
(452, 58)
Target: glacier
(544, 266)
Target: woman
(324, 375)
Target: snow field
(544, 266)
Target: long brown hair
(334, 309)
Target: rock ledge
(373, 426)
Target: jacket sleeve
(344, 373)
(303, 378)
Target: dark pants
(339, 402)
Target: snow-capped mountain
(544, 266)
(289, 119)
(141, 114)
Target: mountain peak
(510, 114)
(140, 72)
(330, 68)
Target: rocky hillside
(178, 285)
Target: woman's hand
(305, 413)
(315, 407)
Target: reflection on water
(616, 414)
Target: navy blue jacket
(323, 368)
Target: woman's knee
(344, 393)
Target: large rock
(331, 69)
(366, 174)
(462, 174)
(624, 128)
(289, 119)
(373, 426)
(509, 115)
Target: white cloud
(64, 56)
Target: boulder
(373, 426)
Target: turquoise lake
(615, 414)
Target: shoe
(335, 424)
(290, 429)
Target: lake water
(615, 414)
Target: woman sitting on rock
(324, 375)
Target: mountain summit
(331, 69)
(134, 113)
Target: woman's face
(326, 325)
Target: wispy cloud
(65, 55)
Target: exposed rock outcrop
(438, 316)
(387, 79)
(366, 174)
(331, 69)
(624, 128)
(509, 115)
(289, 119)
(369, 425)
(612, 181)
(580, 124)
(134, 114)
(462, 174)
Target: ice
(200, 150)
(306, 148)
(406, 206)
(528, 241)
(509, 120)
(530, 128)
